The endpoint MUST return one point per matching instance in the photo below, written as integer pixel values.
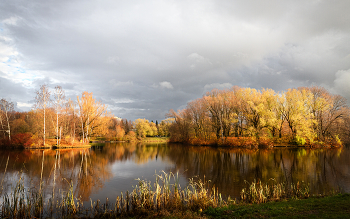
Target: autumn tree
(103, 126)
(126, 125)
(120, 132)
(163, 127)
(42, 102)
(220, 105)
(297, 113)
(20, 123)
(253, 108)
(71, 117)
(153, 129)
(59, 101)
(181, 128)
(90, 112)
(143, 128)
(327, 109)
(200, 118)
(6, 108)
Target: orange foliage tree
(309, 114)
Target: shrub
(299, 140)
(265, 143)
(131, 136)
(22, 139)
(245, 142)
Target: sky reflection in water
(105, 172)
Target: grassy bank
(335, 206)
(155, 140)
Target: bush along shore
(163, 199)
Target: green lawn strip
(155, 139)
(337, 206)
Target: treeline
(238, 116)
(55, 120)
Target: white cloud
(123, 100)
(166, 84)
(24, 105)
(11, 20)
(197, 59)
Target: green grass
(155, 139)
(336, 206)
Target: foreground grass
(166, 199)
(336, 206)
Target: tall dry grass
(258, 192)
(147, 198)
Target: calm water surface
(106, 171)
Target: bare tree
(6, 107)
(59, 103)
(71, 105)
(42, 101)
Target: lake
(104, 171)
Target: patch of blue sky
(20, 70)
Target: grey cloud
(143, 58)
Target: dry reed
(258, 192)
(146, 199)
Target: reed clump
(164, 197)
(258, 192)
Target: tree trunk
(44, 127)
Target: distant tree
(90, 112)
(42, 102)
(127, 125)
(163, 127)
(71, 111)
(327, 110)
(181, 127)
(153, 129)
(221, 108)
(200, 118)
(142, 127)
(59, 104)
(119, 132)
(6, 108)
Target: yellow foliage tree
(90, 112)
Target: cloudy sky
(142, 58)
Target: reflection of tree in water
(145, 152)
(78, 167)
(229, 169)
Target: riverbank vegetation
(60, 122)
(162, 198)
(246, 117)
(238, 117)
(166, 198)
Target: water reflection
(105, 171)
